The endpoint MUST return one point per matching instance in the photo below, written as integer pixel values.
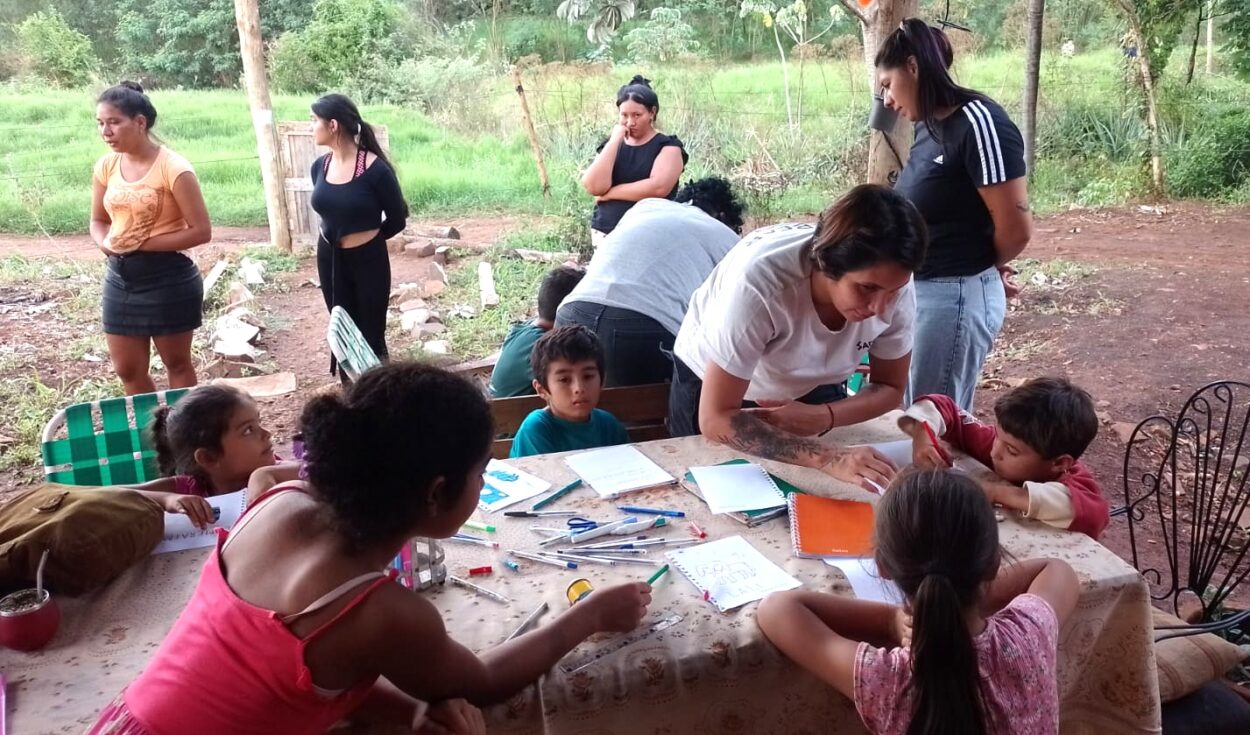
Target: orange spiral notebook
(822, 527)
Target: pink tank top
(229, 666)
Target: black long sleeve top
(359, 205)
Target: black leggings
(359, 280)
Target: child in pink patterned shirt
(972, 652)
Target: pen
(601, 530)
(538, 513)
(657, 522)
(475, 542)
(694, 528)
(623, 543)
(543, 559)
(556, 495)
(666, 542)
(585, 559)
(628, 560)
(651, 511)
(933, 438)
(605, 550)
(658, 573)
(528, 622)
(479, 590)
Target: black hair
(372, 451)
(915, 39)
(870, 224)
(916, 522)
(1051, 415)
(340, 108)
(197, 421)
(129, 98)
(557, 284)
(717, 198)
(639, 90)
(573, 343)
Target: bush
(447, 88)
(345, 41)
(665, 37)
(550, 39)
(54, 52)
(1212, 159)
(1091, 131)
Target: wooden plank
(635, 405)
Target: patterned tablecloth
(709, 673)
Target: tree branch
(854, 11)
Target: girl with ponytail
(972, 651)
(635, 162)
(357, 196)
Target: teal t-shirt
(542, 432)
(512, 375)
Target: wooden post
(251, 48)
(529, 131)
(1032, 71)
(1210, 36)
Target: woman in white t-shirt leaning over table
(771, 337)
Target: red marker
(475, 571)
(694, 528)
(707, 595)
(933, 438)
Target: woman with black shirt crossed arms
(635, 163)
(357, 196)
(965, 174)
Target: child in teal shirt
(568, 375)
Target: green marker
(658, 573)
(556, 495)
(479, 526)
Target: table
(710, 673)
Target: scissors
(577, 524)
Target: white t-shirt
(755, 319)
(659, 253)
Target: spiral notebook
(730, 572)
(822, 527)
(733, 488)
(613, 471)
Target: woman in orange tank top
(146, 210)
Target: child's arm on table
(958, 428)
(162, 492)
(821, 632)
(505, 669)
(265, 478)
(1051, 579)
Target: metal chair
(111, 451)
(352, 353)
(1186, 490)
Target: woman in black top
(965, 174)
(635, 163)
(357, 196)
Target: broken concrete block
(412, 304)
(437, 346)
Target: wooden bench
(642, 408)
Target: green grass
(732, 117)
(27, 403)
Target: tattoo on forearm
(753, 435)
(1023, 207)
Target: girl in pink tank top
(292, 626)
(961, 656)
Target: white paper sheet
(616, 470)
(866, 581)
(181, 533)
(505, 485)
(898, 452)
(732, 488)
(732, 571)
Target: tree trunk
(1193, 48)
(878, 21)
(1210, 37)
(1032, 71)
(785, 77)
(1148, 87)
(256, 79)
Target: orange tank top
(143, 208)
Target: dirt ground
(1141, 306)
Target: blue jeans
(957, 320)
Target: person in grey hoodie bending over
(639, 282)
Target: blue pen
(651, 511)
(470, 536)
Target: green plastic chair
(348, 345)
(116, 453)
